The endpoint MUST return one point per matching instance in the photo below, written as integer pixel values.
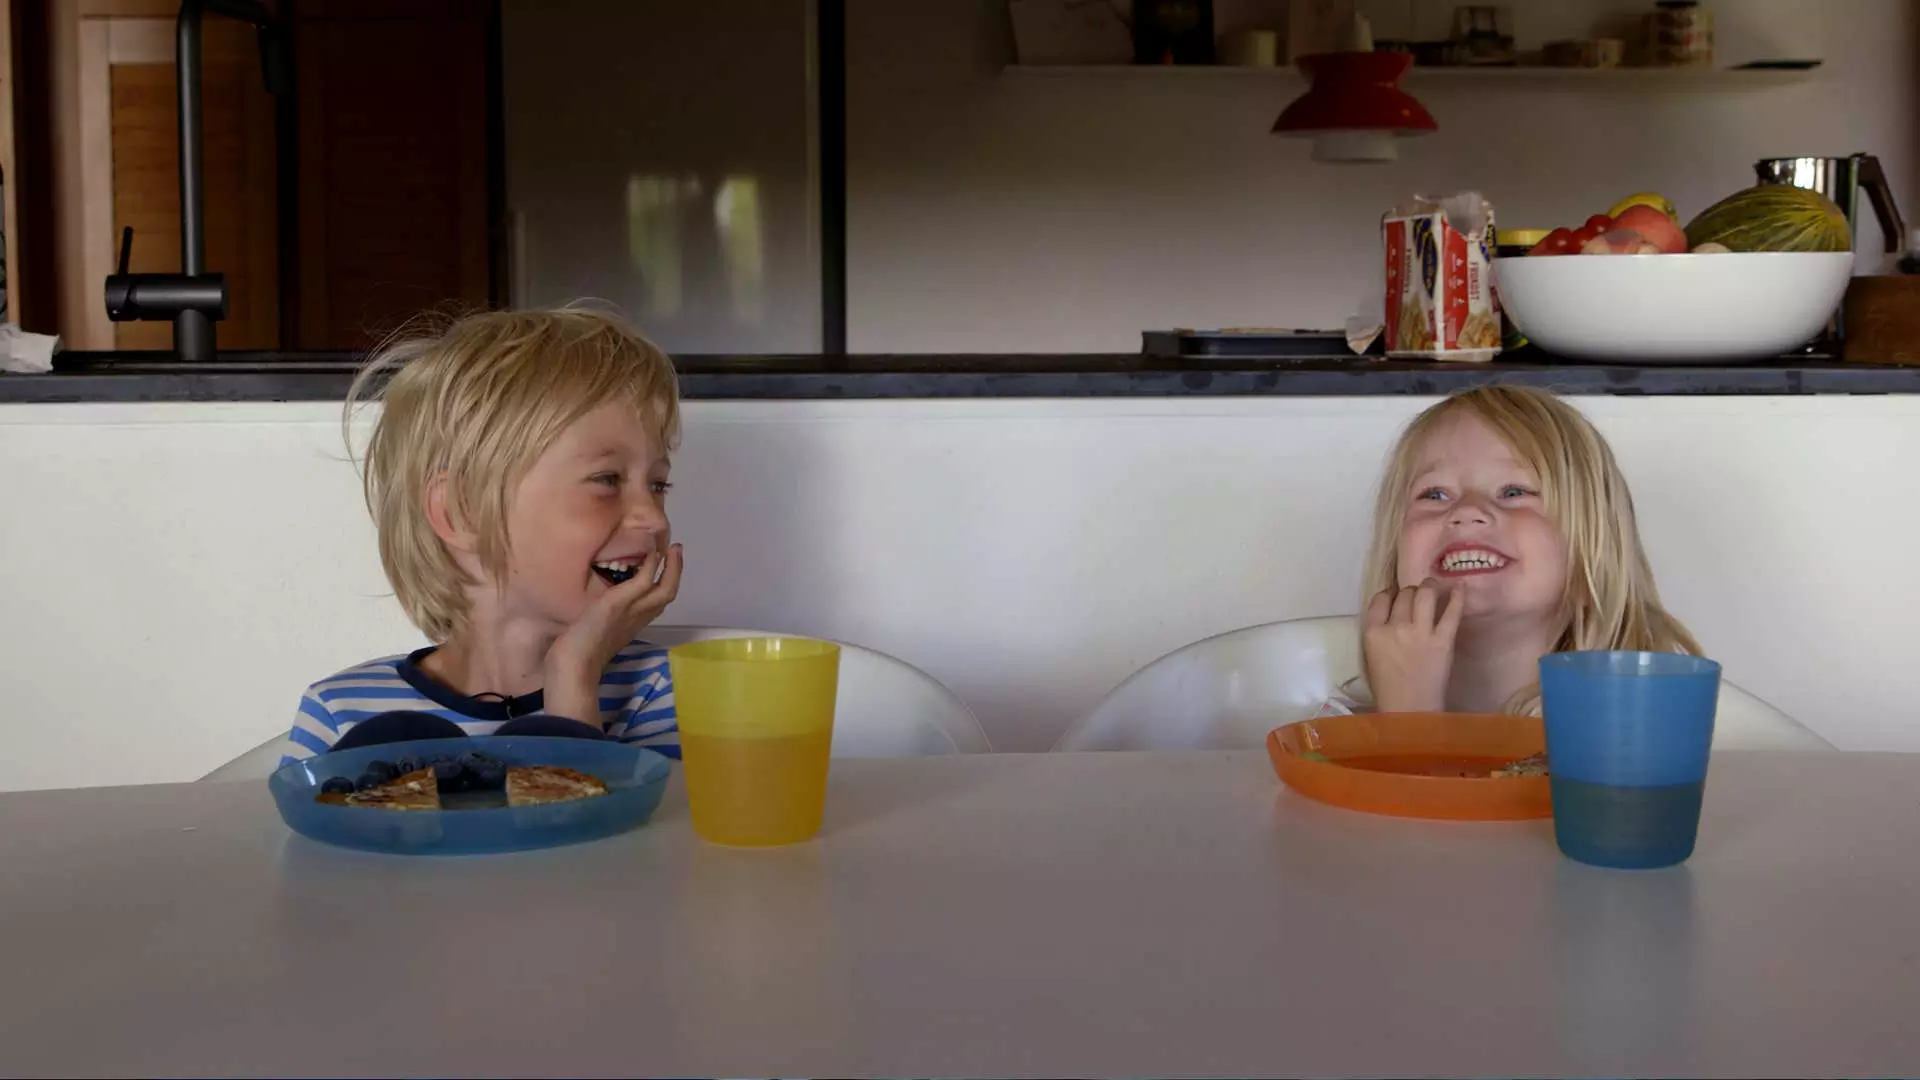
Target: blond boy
(517, 477)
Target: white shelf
(1621, 77)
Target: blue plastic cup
(1628, 735)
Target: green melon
(1773, 217)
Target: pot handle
(1874, 179)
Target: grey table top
(1063, 915)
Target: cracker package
(1440, 299)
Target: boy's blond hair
(1610, 600)
(477, 400)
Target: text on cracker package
(1440, 299)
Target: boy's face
(595, 498)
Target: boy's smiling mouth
(617, 571)
(1460, 560)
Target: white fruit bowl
(1655, 309)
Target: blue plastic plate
(637, 777)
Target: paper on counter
(22, 353)
(1369, 319)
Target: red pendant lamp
(1355, 109)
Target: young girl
(1504, 531)
(517, 477)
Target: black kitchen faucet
(194, 299)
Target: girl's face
(1475, 521)
(590, 508)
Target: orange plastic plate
(1421, 765)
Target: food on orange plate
(539, 785)
(1449, 767)
(1526, 766)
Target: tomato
(1597, 224)
(1558, 242)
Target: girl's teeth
(1472, 560)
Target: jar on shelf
(1173, 32)
(1679, 34)
(1512, 244)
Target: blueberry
(406, 765)
(337, 785)
(368, 780)
(449, 775)
(489, 776)
(382, 769)
(472, 759)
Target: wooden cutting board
(1882, 320)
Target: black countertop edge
(127, 377)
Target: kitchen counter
(324, 376)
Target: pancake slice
(539, 785)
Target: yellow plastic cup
(756, 729)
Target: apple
(1655, 227)
(1620, 242)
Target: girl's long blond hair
(1610, 600)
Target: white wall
(994, 212)
(174, 575)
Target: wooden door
(237, 154)
(389, 175)
(9, 174)
(115, 161)
(393, 165)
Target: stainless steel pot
(1842, 179)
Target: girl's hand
(1409, 646)
(578, 659)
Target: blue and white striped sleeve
(315, 728)
(639, 684)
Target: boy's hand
(1409, 646)
(580, 656)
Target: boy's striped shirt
(636, 702)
